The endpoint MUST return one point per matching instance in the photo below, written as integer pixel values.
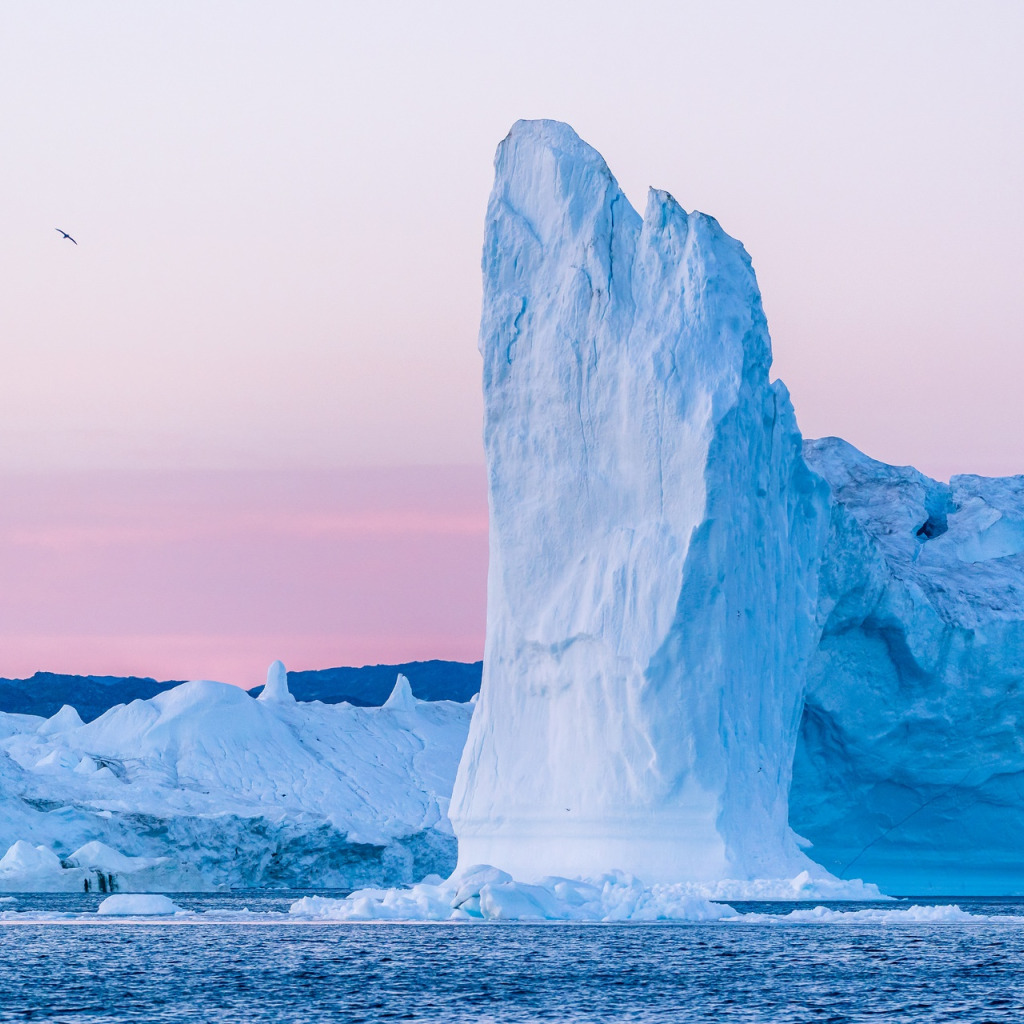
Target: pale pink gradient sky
(206, 573)
(280, 213)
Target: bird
(66, 235)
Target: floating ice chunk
(87, 766)
(401, 698)
(276, 689)
(137, 905)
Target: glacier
(910, 764)
(204, 787)
(655, 539)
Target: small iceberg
(139, 904)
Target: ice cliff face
(654, 540)
(910, 766)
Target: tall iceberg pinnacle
(655, 538)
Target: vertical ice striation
(654, 540)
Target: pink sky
(215, 574)
(280, 212)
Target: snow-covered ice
(204, 786)
(654, 541)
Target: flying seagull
(66, 235)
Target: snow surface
(204, 786)
(910, 767)
(654, 541)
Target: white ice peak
(277, 684)
(401, 698)
(654, 540)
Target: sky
(241, 418)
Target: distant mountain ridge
(371, 685)
(46, 692)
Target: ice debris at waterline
(910, 766)
(611, 902)
(486, 893)
(655, 539)
(205, 787)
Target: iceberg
(655, 539)
(205, 787)
(910, 763)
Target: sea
(269, 970)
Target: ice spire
(654, 540)
(401, 698)
(276, 689)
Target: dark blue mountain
(46, 692)
(371, 685)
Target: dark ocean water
(768, 971)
